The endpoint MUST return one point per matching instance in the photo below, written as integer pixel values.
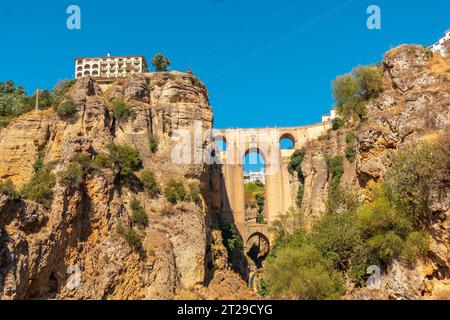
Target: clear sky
(265, 62)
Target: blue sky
(265, 62)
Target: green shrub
(103, 160)
(232, 239)
(39, 163)
(139, 216)
(85, 162)
(263, 289)
(350, 154)
(300, 193)
(416, 245)
(338, 238)
(350, 137)
(175, 191)
(153, 141)
(194, 193)
(336, 123)
(40, 187)
(160, 62)
(336, 169)
(385, 247)
(8, 189)
(295, 164)
(149, 181)
(125, 157)
(66, 109)
(341, 200)
(388, 231)
(131, 236)
(417, 173)
(260, 201)
(73, 176)
(59, 91)
(302, 273)
(260, 218)
(287, 224)
(121, 111)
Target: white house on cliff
(442, 44)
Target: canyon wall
(42, 249)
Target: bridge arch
(258, 247)
(257, 150)
(221, 142)
(287, 141)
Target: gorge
(105, 162)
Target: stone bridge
(280, 192)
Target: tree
(139, 216)
(121, 111)
(352, 90)
(66, 109)
(175, 191)
(40, 187)
(302, 273)
(150, 184)
(13, 100)
(295, 164)
(126, 157)
(160, 62)
(153, 141)
(370, 81)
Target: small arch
(95, 73)
(287, 141)
(221, 143)
(95, 66)
(87, 66)
(87, 73)
(258, 247)
(79, 74)
(254, 159)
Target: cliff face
(42, 249)
(414, 105)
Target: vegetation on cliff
(352, 235)
(255, 198)
(295, 166)
(353, 90)
(14, 101)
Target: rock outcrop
(414, 105)
(72, 250)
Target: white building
(329, 117)
(254, 176)
(442, 44)
(109, 67)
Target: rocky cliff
(414, 105)
(71, 249)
